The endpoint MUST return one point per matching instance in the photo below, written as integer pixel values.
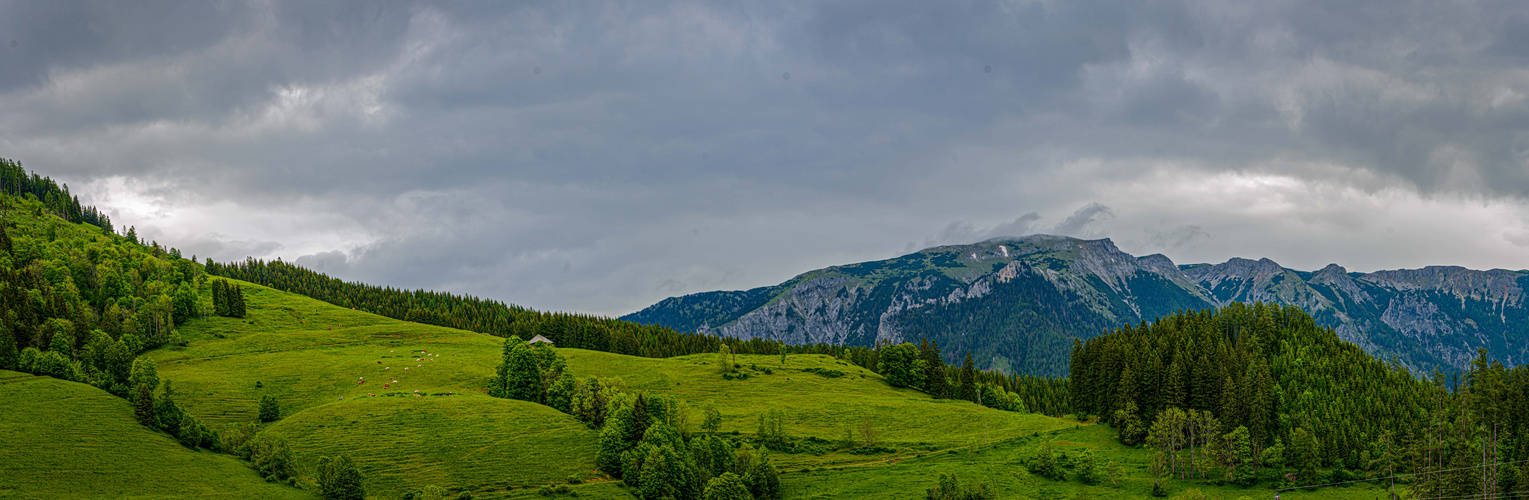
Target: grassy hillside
(66, 439)
(815, 405)
(313, 356)
(310, 354)
(1003, 465)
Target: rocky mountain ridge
(1017, 303)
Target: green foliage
(1085, 468)
(520, 374)
(724, 359)
(228, 299)
(772, 429)
(592, 398)
(1128, 426)
(825, 372)
(950, 488)
(966, 387)
(901, 366)
(143, 406)
(184, 302)
(1236, 456)
(9, 354)
(727, 486)
(272, 456)
(1260, 367)
(713, 422)
(935, 382)
(71, 440)
(270, 409)
(339, 479)
(1044, 464)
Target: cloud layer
(598, 156)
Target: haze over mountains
(1017, 303)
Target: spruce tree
(936, 382)
(143, 406)
(968, 390)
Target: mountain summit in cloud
(1017, 303)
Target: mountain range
(1016, 304)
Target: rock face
(1017, 303)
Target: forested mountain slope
(1017, 303)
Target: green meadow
(70, 440)
(406, 401)
(1002, 464)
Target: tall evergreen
(968, 382)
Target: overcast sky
(599, 157)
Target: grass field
(310, 355)
(816, 406)
(313, 357)
(65, 439)
(1003, 466)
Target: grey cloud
(961, 232)
(1081, 222)
(660, 151)
(1179, 237)
(325, 262)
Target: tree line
(597, 333)
(647, 441)
(1256, 392)
(51, 196)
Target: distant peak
(1333, 269)
(1156, 259)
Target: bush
(727, 486)
(272, 457)
(1085, 468)
(951, 489)
(1044, 464)
(270, 410)
(825, 372)
(339, 479)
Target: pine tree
(1173, 386)
(219, 297)
(968, 376)
(935, 380)
(143, 406)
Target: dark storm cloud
(598, 156)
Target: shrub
(339, 479)
(727, 486)
(1084, 468)
(272, 457)
(1044, 464)
(270, 410)
(951, 489)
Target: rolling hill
(66, 439)
(1016, 304)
